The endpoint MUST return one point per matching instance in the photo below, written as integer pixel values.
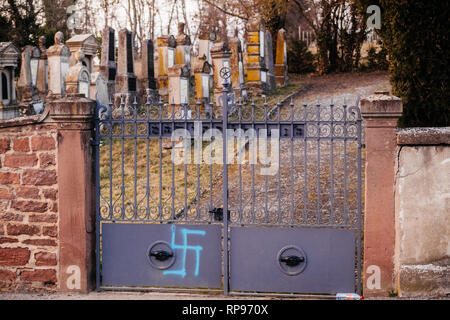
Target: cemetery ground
(275, 198)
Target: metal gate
(272, 206)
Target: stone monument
(58, 64)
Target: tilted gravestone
(42, 76)
(26, 85)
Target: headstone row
(171, 74)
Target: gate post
(381, 113)
(73, 117)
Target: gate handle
(161, 255)
(292, 261)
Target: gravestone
(26, 85)
(255, 66)
(42, 76)
(126, 80)
(178, 86)
(281, 67)
(271, 83)
(58, 64)
(9, 55)
(78, 78)
(183, 49)
(221, 59)
(166, 59)
(108, 66)
(100, 94)
(202, 70)
(146, 74)
(88, 45)
(237, 67)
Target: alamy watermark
(263, 147)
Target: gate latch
(161, 255)
(218, 214)
(292, 261)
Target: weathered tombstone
(178, 85)
(108, 66)
(58, 64)
(255, 66)
(202, 70)
(87, 44)
(42, 76)
(221, 59)
(126, 81)
(26, 85)
(183, 49)
(237, 67)
(78, 78)
(100, 92)
(166, 59)
(9, 55)
(271, 83)
(281, 68)
(146, 75)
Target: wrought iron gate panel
(305, 185)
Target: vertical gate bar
(305, 166)
(198, 166)
(148, 160)
(266, 197)
(210, 164)
(183, 106)
(332, 164)
(225, 186)
(122, 124)
(345, 162)
(279, 164)
(239, 158)
(358, 242)
(173, 192)
(318, 215)
(160, 213)
(253, 159)
(135, 157)
(97, 195)
(111, 209)
(291, 173)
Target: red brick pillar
(381, 113)
(73, 117)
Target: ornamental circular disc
(225, 73)
(295, 252)
(160, 246)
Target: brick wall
(28, 208)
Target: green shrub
(300, 59)
(416, 36)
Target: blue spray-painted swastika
(185, 247)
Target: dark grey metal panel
(330, 260)
(196, 250)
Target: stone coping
(424, 136)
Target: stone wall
(47, 199)
(28, 207)
(422, 215)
